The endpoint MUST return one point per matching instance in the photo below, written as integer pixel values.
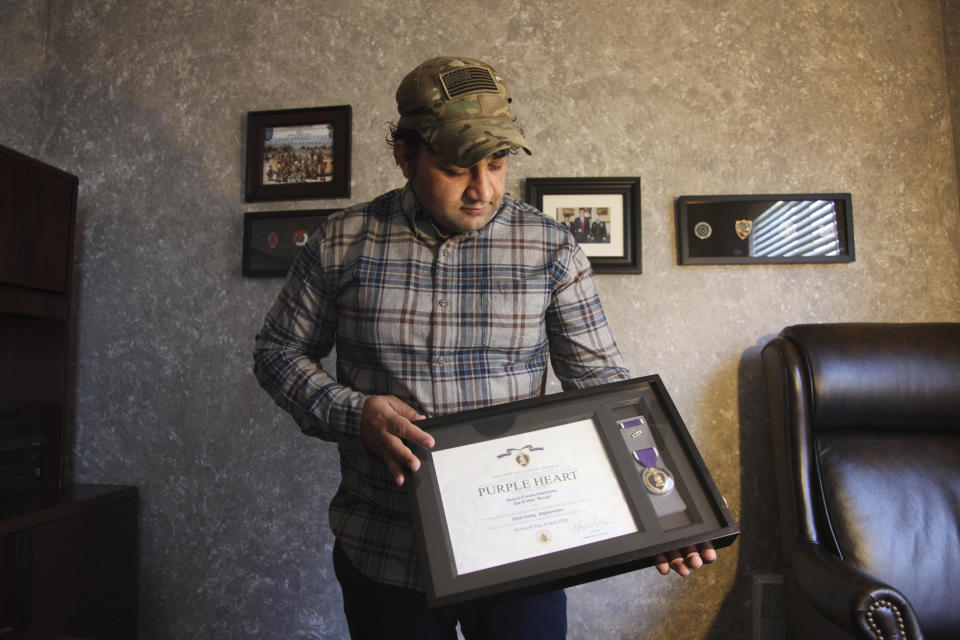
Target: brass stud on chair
(885, 604)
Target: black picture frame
(271, 239)
(614, 202)
(793, 228)
(702, 515)
(298, 154)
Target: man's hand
(386, 422)
(684, 560)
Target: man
(440, 297)
(581, 226)
(598, 231)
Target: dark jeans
(377, 611)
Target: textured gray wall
(22, 47)
(146, 103)
(951, 37)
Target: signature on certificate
(583, 524)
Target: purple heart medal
(656, 480)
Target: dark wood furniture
(38, 206)
(68, 553)
(69, 562)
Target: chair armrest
(853, 599)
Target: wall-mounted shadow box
(764, 229)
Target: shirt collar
(422, 223)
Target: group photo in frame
(298, 154)
(271, 239)
(603, 214)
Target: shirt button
(442, 303)
(440, 360)
(445, 252)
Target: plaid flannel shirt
(445, 324)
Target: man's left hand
(684, 561)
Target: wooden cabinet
(36, 234)
(68, 553)
(38, 206)
(69, 562)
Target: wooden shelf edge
(32, 302)
(47, 505)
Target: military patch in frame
(271, 239)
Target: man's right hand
(386, 422)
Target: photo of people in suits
(587, 224)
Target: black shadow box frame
(291, 137)
(615, 247)
(793, 228)
(271, 239)
(704, 515)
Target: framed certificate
(559, 490)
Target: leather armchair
(865, 421)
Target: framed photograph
(559, 490)
(764, 229)
(298, 154)
(271, 239)
(602, 213)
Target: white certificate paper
(522, 496)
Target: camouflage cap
(460, 107)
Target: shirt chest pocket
(512, 311)
(386, 306)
